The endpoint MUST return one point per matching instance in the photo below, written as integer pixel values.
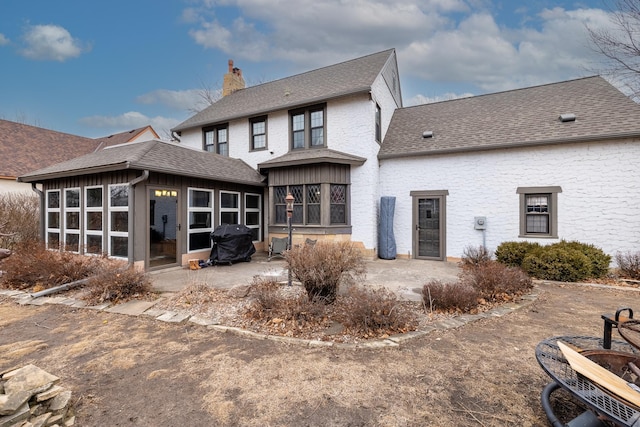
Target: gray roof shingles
(317, 155)
(514, 118)
(354, 76)
(156, 156)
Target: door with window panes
(429, 226)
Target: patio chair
(277, 247)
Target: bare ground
(135, 371)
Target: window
(338, 204)
(258, 133)
(308, 128)
(200, 207)
(216, 140)
(538, 211)
(229, 207)
(252, 215)
(119, 221)
(308, 206)
(93, 229)
(72, 219)
(53, 220)
(378, 126)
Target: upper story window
(308, 128)
(258, 133)
(378, 126)
(216, 139)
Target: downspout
(132, 205)
(42, 209)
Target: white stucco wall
(598, 204)
(11, 185)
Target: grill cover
(231, 243)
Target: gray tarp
(386, 238)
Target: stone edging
(145, 308)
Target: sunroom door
(163, 227)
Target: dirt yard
(134, 371)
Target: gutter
(575, 139)
(40, 194)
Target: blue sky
(94, 68)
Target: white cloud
(3, 40)
(128, 121)
(51, 42)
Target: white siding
(598, 203)
(11, 186)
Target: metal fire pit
(605, 405)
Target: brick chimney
(233, 80)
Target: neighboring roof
(314, 156)
(346, 78)
(155, 156)
(124, 137)
(24, 148)
(522, 117)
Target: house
(542, 164)
(25, 148)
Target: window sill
(537, 236)
(310, 229)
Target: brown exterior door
(429, 222)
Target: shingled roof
(317, 155)
(522, 117)
(24, 148)
(350, 77)
(124, 137)
(155, 156)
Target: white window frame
(68, 209)
(254, 210)
(90, 209)
(112, 209)
(190, 209)
(48, 229)
(223, 209)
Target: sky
(95, 68)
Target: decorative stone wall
(31, 397)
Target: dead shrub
(456, 297)
(19, 217)
(629, 264)
(116, 281)
(32, 266)
(473, 256)
(494, 281)
(322, 267)
(265, 293)
(370, 311)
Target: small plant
(376, 311)
(629, 264)
(473, 256)
(265, 293)
(322, 267)
(493, 281)
(459, 297)
(19, 219)
(115, 281)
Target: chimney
(233, 80)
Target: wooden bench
(611, 321)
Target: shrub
(629, 264)
(513, 253)
(265, 293)
(323, 266)
(493, 280)
(116, 281)
(375, 311)
(472, 256)
(598, 260)
(20, 217)
(555, 263)
(33, 266)
(461, 297)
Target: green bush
(513, 253)
(598, 259)
(322, 267)
(556, 263)
(629, 264)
